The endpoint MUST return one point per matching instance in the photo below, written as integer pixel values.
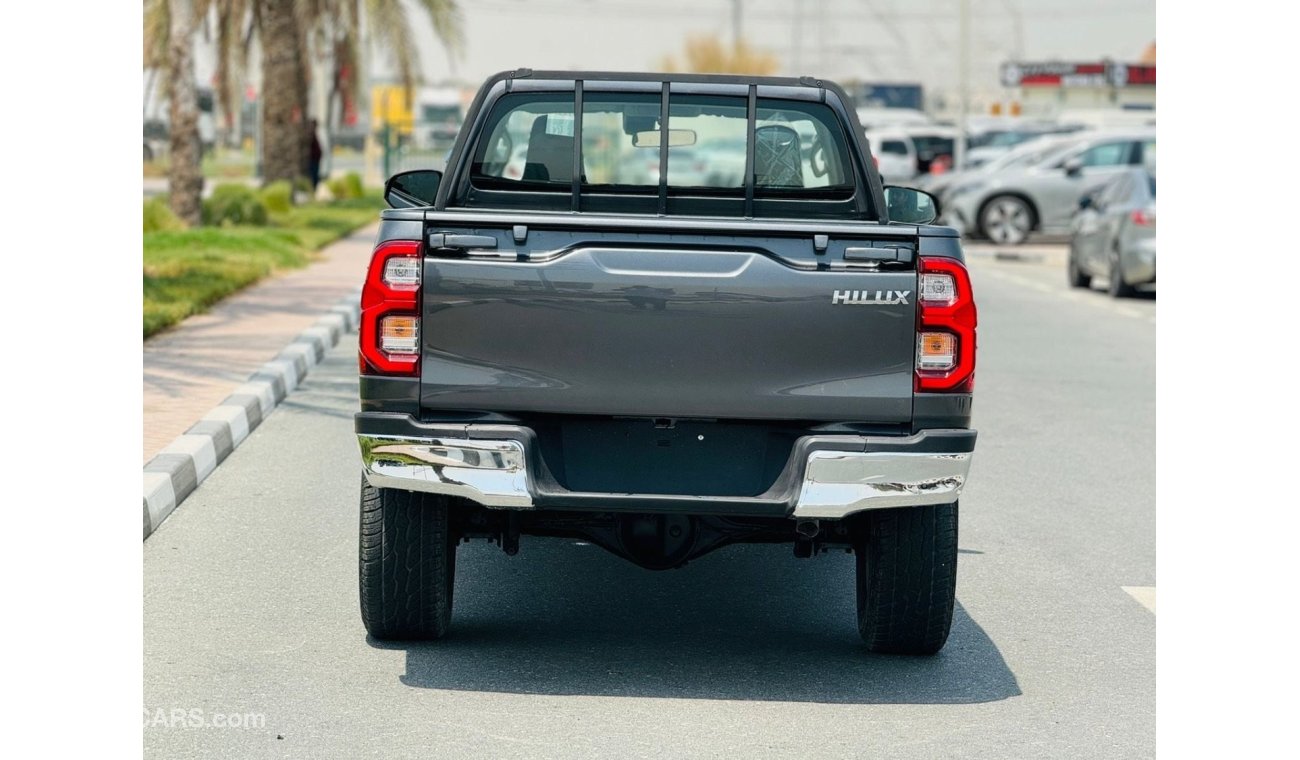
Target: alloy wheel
(1006, 220)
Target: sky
(886, 40)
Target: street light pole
(736, 21)
(796, 32)
(959, 160)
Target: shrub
(158, 216)
(277, 197)
(353, 182)
(233, 204)
(338, 189)
(346, 187)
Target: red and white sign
(1058, 74)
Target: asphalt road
(250, 601)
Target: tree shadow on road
(746, 622)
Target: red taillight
(392, 289)
(945, 305)
(1144, 217)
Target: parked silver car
(1026, 154)
(1114, 234)
(1006, 206)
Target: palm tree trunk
(282, 114)
(185, 174)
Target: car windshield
(930, 146)
(1008, 139)
(1001, 138)
(1032, 154)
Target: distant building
(1050, 89)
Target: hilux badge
(870, 297)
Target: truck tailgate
(664, 326)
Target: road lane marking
(1073, 295)
(1145, 596)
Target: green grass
(187, 271)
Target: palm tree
(284, 90)
(334, 25)
(184, 174)
(288, 31)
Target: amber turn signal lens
(399, 334)
(936, 351)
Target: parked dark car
(1114, 234)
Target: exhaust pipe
(807, 528)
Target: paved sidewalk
(190, 368)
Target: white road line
(1145, 595)
(1073, 295)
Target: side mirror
(910, 206)
(1074, 167)
(1085, 202)
(412, 189)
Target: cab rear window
(617, 153)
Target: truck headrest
(550, 154)
(777, 160)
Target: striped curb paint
(187, 461)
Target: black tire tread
(1116, 287)
(907, 579)
(407, 564)
(1076, 276)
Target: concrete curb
(187, 461)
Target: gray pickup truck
(663, 314)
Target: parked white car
(904, 153)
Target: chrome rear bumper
(493, 473)
(838, 483)
(826, 477)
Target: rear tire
(1116, 286)
(907, 578)
(1076, 276)
(407, 564)
(1006, 219)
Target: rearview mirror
(412, 189)
(677, 138)
(1074, 166)
(910, 206)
